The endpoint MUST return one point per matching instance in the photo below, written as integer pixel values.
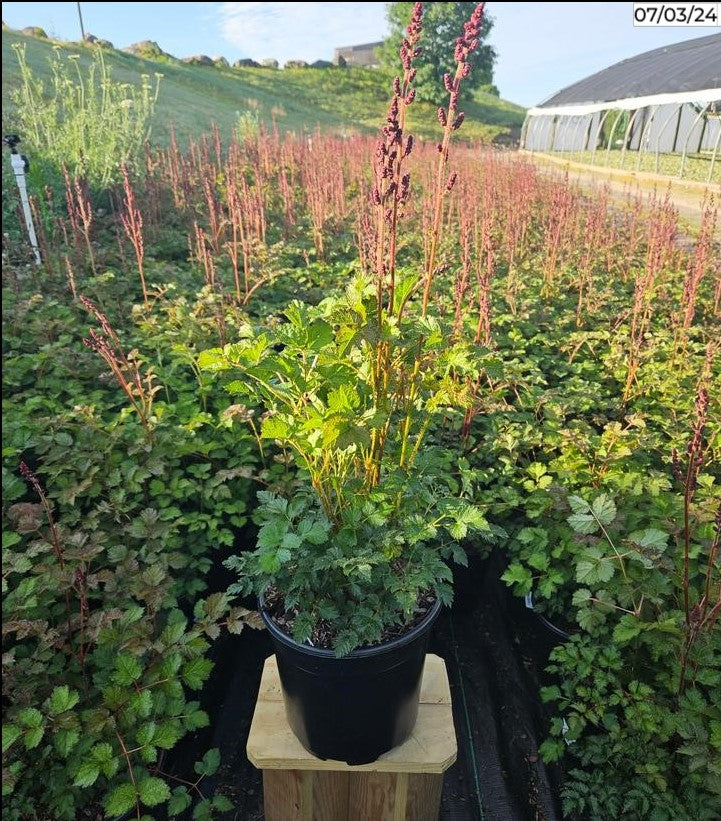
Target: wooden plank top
(431, 748)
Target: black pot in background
(554, 630)
(354, 708)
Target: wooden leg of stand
(305, 795)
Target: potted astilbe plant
(353, 569)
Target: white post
(644, 138)
(713, 156)
(18, 163)
(701, 114)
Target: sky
(542, 47)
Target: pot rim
(359, 652)
(547, 623)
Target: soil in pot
(358, 707)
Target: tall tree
(442, 24)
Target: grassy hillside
(193, 97)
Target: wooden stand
(402, 785)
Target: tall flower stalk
(451, 120)
(132, 221)
(138, 387)
(701, 615)
(390, 193)
(396, 383)
(700, 264)
(403, 371)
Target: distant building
(664, 101)
(363, 55)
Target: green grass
(192, 98)
(697, 166)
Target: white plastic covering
(708, 95)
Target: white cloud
(300, 31)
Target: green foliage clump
(106, 545)
(85, 122)
(618, 537)
(361, 539)
(637, 750)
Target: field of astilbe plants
(589, 436)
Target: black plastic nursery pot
(555, 633)
(354, 708)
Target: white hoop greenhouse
(665, 101)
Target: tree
(442, 24)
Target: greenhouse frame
(665, 101)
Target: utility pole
(82, 27)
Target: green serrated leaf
(315, 532)
(65, 740)
(146, 733)
(579, 505)
(148, 754)
(222, 803)
(539, 560)
(583, 523)
(132, 614)
(519, 577)
(551, 693)
(179, 801)
(549, 583)
(458, 530)
(604, 509)
(102, 752)
(627, 629)
(173, 632)
(62, 699)
(30, 717)
(715, 734)
(120, 800)
(196, 719)
(594, 567)
(271, 534)
(195, 672)
(581, 596)
(651, 539)
(142, 703)
(203, 810)
(11, 733)
(10, 539)
(168, 734)
(33, 737)
(213, 359)
(536, 470)
(209, 763)
(589, 618)
(87, 774)
(552, 749)
(275, 428)
(127, 669)
(153, 791)
(459, 555)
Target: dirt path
(687, 195)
